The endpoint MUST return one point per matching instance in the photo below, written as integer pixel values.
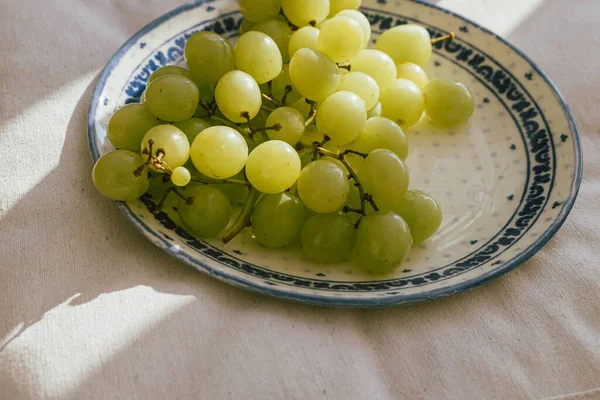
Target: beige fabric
(91, 309)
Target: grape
(305, 37)
(412, 72)
(143, 97)
(192, 127)
(172, 98)
(305, 12)
(382, 133)
(377, 64)
(172, 141)
(219, 152)
(312, 134)
(209, 56)
(406, 43)
(280, 32)
(209, 212)
(259, 10)
(403, 103)
(113, 175)
(341, 117)
(246, 26)
(421, 212)
(277, 220)
(362, 21)
(273, 167)
(384, 176)
(341, 38)
(181, 176)
(257, 55)
(314, 74)
(278, 87)
(382, 241)
(169, 70)
(237, 194)
(363, 85)
(237, 93)
(375, 111)
(448, 102)
(128, 125)
(302, 106)
(328, 238)
(335, 6)
(323, 186)
(291, 122)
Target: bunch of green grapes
(297, 131)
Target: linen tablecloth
(89, 309)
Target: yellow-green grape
(377, 64)
(341, 38)
(302, 106)
(421, 212)
(314, 74)
(342, 116)
(172, 98)
(406, 43)
(273, 167)
(291, 124)
(260, 10)
(412, 72)
(362, 21)
(448, 102)
(363, 85)
(335, 6)
(279, 85)
(301, 13)
(277, 220)
(209, 212)
(169, 70)
(209, 56)
(382, 133)
(384, 175)
(305, 37)
(382, 242)
(257, 55)
(238, 93)
(113, 175)
(246, 26)
(192, 127)
(328, 238)
(375, 111)
(172, 141)
(128, 125)
(403, 103)
(280, 32)
(181, 176)
(219, 152)
(323, 186)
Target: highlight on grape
(297, 132)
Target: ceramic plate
(506, 182)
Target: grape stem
(288, 89)
(270, 88)
(189, 200)
(270, 99)
(220, 181)
(253, 131)
(346, 67)
(243, 220)
(450, 36)
(311, 117)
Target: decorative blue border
(328, 300)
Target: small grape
(403, 103)
(209, 212)
(362, 21)
(277, 220)
(291, 124)
(384, 175)
(172, 98)
(192, 127)
(305, 37)
(421, 212)
(447, 102)
(382, 133)
(363, 85)
(342, 116)
(328, 238)
(406, 43)
(323, 186)
(412, 72)
(280, 32)
(273, 167)
(377, 64)
(209, 56)
(113, 175)
(219, 152)
(314, 74)
(340, 38)
(181, 176)
(128, 125)
(259, 10)
(172, 141)
(238, 93)
(257, 55)
(301, 13)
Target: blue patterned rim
(394, 299)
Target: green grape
(341, 117)
(181, 176)
(128, 125)
(192, 127)
(305, 37)
(238, 93)
(257, 55)
(375, 111)
(406, 43)
(280, 32)
(277, 220)
(341, 38)
(273, 167)
(323, 186)
(448, 102)
(291, 124)
(382, 242)
(172, 98)
(209, 212)
(260, 10)
(237, 194)
(279, 85)
(421, 212)
(376, 64)
(219, 152)
(246, 26)
(382, 133)
(314, 74)
(403, 103)
(301, 13)
(302, 106)
(328, 238)
(412, 72)
(113, 175)
(362, 21)
(384, 175)
(172, 141)
(335, 6)
(169, 70)
(209, 56)
(363, 85)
